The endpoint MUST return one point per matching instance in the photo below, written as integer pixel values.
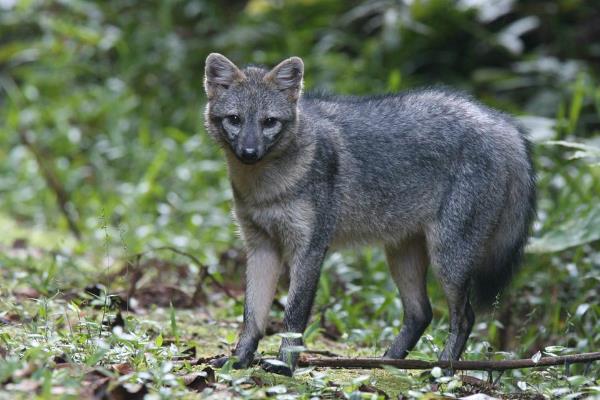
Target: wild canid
(433, 176)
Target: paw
(395, 353)
(276, 367)
(219, 362)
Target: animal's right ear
(219, 74)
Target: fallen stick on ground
(483, 365)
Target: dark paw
(219, 362)
(397, 351)
(276, 367)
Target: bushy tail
(506, 246)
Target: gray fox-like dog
(431, 175)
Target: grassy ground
(60, 336)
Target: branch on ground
(483, 365)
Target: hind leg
(453, 261)
(458, 242)
(462, 319)
(454, 252)
(456, 247)
(408, 265)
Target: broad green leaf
(581, 228)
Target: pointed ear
(219, 74)
(287, 76)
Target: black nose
(249, 154)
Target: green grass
(57, 339)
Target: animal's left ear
(287, 76)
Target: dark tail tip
(488, 285)
(486, 289)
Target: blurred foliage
(109, 96)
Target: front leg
(305, 271)
(262, 273)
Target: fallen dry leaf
(122, 369)
(26, 293)
(372, 389)
(199, 381)
(94, 385)
(10, 318)
(127, 392)
(473, 381)
(97, 386)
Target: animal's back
(402, 153)
(436, 121)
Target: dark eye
(233, 119)
(269, 122)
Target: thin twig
(484, 365)
(202, 267)
(204, 273)
(53, 183)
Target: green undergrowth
(62, 337)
